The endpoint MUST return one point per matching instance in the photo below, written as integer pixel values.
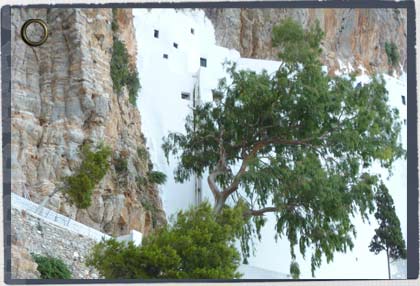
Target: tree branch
(211, 180)
(258, 146)
(261, 212)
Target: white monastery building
(179, 65)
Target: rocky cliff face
(62, 97)
(356, 36)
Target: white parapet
(57, 219)
(134, 236)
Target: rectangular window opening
(192, 31)
(175, 45)
(203, 62)
(165, 56)
(156, 34)
(403, 99)
(186, 95)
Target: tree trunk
(219, 203)
(389, 267)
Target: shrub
(142, 153)
(199, 245)
(79, 187)
(152, 209)
(51, 268)
(141, 182)
(133, 85)
(121, 165)
(391, 50)
(121, 74)
(156, 177)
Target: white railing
(60, 220)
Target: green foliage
(133, 85)
(142, 153)
(121, 165)
(153, 177)
(152, 209)
(304, 142)
(156, 177)
(392, 53)
(297, 45)
(79, 187)
(294, 270)
(121, 74)
(199, 245)
(141, 182)
(51, 268)
(388, 235)
(114, 24)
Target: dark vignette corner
(412, 160)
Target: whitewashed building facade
(177, 59)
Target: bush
(121, 74)
(133, 85)
(156, 177)
(142, 153)
(391, 50)
(141, 182)
(121, 165)
(79, 187)
(51, 268)
(199, 245)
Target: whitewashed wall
(163, 110)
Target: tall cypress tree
(388, 235)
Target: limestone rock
(356, 36)
(62, 97)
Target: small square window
(186, 95)
(175, 45)
(203, 62)
(403, 99)
(192, 31)
(165, 56)
(156, 34)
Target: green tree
(197, 245)
(297, 144)
(388, 235)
